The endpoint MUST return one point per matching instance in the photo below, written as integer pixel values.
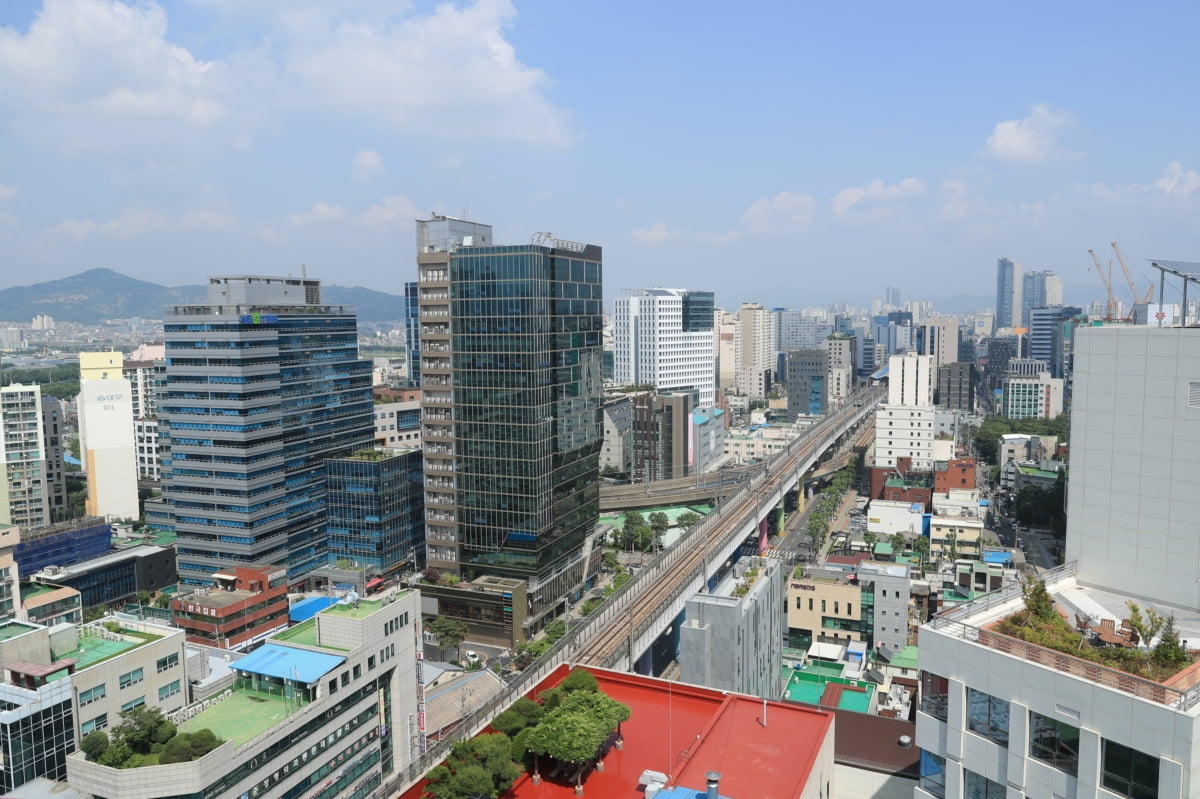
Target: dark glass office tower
(511, 373)
(263, 383)
(412, 333)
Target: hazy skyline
(771, 152)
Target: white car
(471, 655)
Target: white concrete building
(1004, 717)
(911, 380)
(1037, 397)
(108, 448)
(328, 708)
(904, 426)
(725, 330)
(1133, 503)
(664, 338)
(902, 431)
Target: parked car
(472, 656)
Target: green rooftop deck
(12, 629)
(304, 633)
(357, 610)
(93, 649)
(33, 590)
(243, 716)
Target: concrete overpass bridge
(712, 487)
(627, 624)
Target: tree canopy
(987, 435)
(480, 766)
(449, 632)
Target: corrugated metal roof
(300, 665)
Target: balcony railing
(954, 622)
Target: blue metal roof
(298, 665)
(882, 372)
(307, 608)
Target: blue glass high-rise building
(511, 420)
(263, 383)
(376, 509)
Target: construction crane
(1111, 308)
(1129, 278)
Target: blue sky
(786, 153)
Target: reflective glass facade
(412, 333)
(376, 509)
(256, 397)
(526, 341)
(511, 376)
(35, 740)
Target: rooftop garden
(748, 578)
(144, 737)
(569, 727)
(1160, 657)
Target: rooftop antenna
(303, 271)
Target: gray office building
(732, 638)
(262, 384)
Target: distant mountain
(96, 295)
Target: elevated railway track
(628, 621)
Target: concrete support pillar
(764, 534)
(780, 518)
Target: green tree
(94, 744)
(576, 728)
(448, 631)
(580, 680)
(818, 528)
(142, 727)
(1169, 652)
(921, 547)
(1148, 625)
(870, 537)
(480, 766)
(143, 597)
(898, 541)
(188, 746)
(659, 522)
(117, 755)
(688, 519)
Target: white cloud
(655, 234)
(1175, 182)
(106, 76)
(395, 210)
(451, 73)
(1030, 140)
(130, 224)
(875, 192)
(9, 221)
(7, 192)
(786, 212)
(100, 74)
(366, 165)
(320, 213)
